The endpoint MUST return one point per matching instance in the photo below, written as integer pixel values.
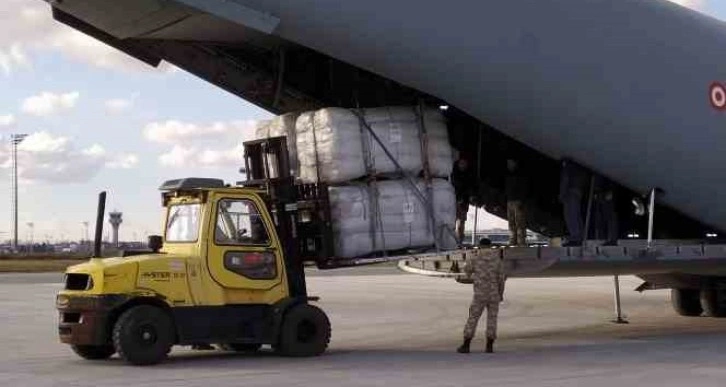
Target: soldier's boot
(464, 348)
(490, 345)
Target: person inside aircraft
(516, 191)
(464, 182)
(573, 187)
(605, 215)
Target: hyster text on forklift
(229, 271)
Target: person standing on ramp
(516, 190)
(465, 183)
(486, 269)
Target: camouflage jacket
(487, 272)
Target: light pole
(15, 140)
(84, 238)
(31, 228)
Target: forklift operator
(232, 218)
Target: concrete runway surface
(402, 330)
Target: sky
(99, 120)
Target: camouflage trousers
(475, 311)
(517, 223)
(462, 209)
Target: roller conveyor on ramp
(545, 261)
(692, 271)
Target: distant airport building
(115, 219)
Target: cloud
(217, 144)
(174, 132)
(12, 57)
(180, 156)
(48, 103)
(699, 5)
(46, 158)
(7, 120)
(120, 161)
(44, 142)
(28, 26)
(94, 150)
(118, 105)
(123, 161)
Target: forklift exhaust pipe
(99, 224)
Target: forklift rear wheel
(143, 335)
(686, 302)
(240, 347)
(94, 352)
(305, 331)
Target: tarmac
(402, 330)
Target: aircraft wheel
(686, 302)
(713, 302)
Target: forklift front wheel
(143, 335)
(305, 331)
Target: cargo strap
(315, 149)
(376, 220)
(424, 139)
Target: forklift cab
(232, 233)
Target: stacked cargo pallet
(387, 170)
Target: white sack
(402, 221)
(283, 125)
(332, 143)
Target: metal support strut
(474, 242)
(619, 319)
(588, 214)
(651, 215)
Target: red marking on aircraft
(718, 96)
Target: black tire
(305, 331)
(686, 302)
(240, 347)
(713, 304)
(143, 335)
(94, 352)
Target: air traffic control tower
(114, 218)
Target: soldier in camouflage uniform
(487, 271)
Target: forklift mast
(301, 212)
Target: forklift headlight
(62, 301)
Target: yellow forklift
(228, 271)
